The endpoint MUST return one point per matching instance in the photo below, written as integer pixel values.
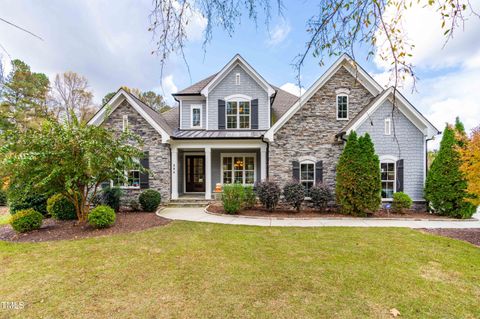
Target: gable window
(342, 107)
(237, 79)
(238, 168)
(307, 175)
(125, 123)
(196, 116)
(130, 180)
(388, 126)
(387, 169)
(238, 114)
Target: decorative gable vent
(237, 79)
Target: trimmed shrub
(135, 205)
(294, 194)
(250, 197)
(111, 196)
(19, 200)
(232, 198)
(320, 195)
(26, 220)
(269, 194)
(3, 197)
(401, 201)
(60, 207)
(101, 216)
(150, 200)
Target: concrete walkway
(199, 215)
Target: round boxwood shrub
(294, 194)
(320, 195)
(26, 220)
(61, 208)
(269, 194)
(401, 201)
(149, 200)
(102, 216)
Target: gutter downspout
(268, 157)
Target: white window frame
(238, 98)
(348, 107)
(233, 155)
(389, 160)
(300, 180)
(125, 183)
(125, 123)
(196, 107)
(237, 79)
(388, 126)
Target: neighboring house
(234, 126)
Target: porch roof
(220, 134)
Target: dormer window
(196, 116)
(238, 113)
(237, 79)
(342, 107)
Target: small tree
(470, 166)
(70, 158)
(446, 186)
(370, 178)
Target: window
(238, 168)
(307, 175)
(125, 123)
(388, 126)
(237, 79)
(131, 179)
(387, 169)
(342, 107)
(196, 116)
(238, 114)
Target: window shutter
(221, 114)
(400, 175)
(319, 172)
(144, 178)
(296, 170)
(255, 114)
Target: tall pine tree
(445, 188)
(371, 185)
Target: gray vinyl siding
(186, 113)
(248, 86)
(410, 146)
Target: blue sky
(110, 45)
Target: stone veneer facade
(159, 154)
(310, 133)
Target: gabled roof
(282, 102)
(149, 114)
(196, 88)
(402, 104)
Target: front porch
(198, 166)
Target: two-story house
(235, 127)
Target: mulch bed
(471, 235)
(60, 230)
(286, 212)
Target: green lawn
(196, 270)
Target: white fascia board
(101, 116)
(217, 144)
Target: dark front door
(195, 173)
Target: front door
(195, 173)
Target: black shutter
(221, 114)
(144, 179)
(319, 172)
(296, 170)
(400, 175)
(255, 114)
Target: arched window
(238, 111)
(388, 176)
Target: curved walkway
(199, 215)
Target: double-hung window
(131, 179)
(342, 107)
(387, 169)
(238, 168)
(196, 116)
(307, 175)
(238, 114)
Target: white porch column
(208, 172)
(174, 172)
(263, 162)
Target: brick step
(176, 204)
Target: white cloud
(168, 87)
(279, 33)
(196, 23)
(293, 88)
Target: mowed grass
(199, 270)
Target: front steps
(189, 201)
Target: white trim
(184, 182)
(174, 172)
(125, 123)
(206, 114)
(388, 126)
(124, 185)
(181, 116)
(389, 159)
(238, 98)
(218, 144)
(348, 106)
(233, 155)
(208, 173)
(344, 61)
(237, 78)
(197, 107)
(114, 102)
(237, 60)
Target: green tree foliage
(445, 188)
(358, 183)
(69, 158)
